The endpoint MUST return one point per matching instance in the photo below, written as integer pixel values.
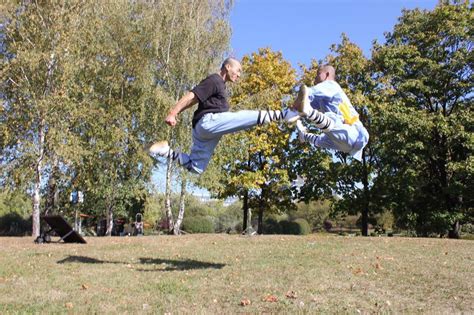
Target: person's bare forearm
(185, 102)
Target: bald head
(230, 70)
(325, 72)
(229, 61)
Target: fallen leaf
(69, 305)
(270, 298)
(358, 271)
(245, 302)
(85, 287)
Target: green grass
(215, 273)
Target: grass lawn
(238, 274)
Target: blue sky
(305, 29)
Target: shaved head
(230, 70)
(329, 70)
(325, 72)
(229, 61)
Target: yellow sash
(346, 113)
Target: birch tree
(197, 37)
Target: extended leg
(303, 106)
(229, 122)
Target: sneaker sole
(299, 102)
(157, 145)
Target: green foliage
(295, 227)
(325, 172)
(303, 226)
(385, 221)
(84, 87)
(14, 202)
(255, 162)
(315, 212)
(15, 209)
(426, 158)
(12, 224)
(229, 217)
(198, 224)
(271, 226)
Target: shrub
(467, 228)
(286, 227)
(327, 225)
(271, 226)
(303, 227)
(12, 224)
(198, 224)
(296, 227)
(238, 228)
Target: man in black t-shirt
(212, 118)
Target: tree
(427, 159)
(80, 99)
(119, 87)
(327, 175)
(256, 169)
(197, 37)
(37, 110)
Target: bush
(12, 224)
(271, 226)
(238, 228)
(327, 225)
(198, 224)
(467, 228)
(303, 227)
(296, 227)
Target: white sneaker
(301, 131)
(302, 104)
(290, 115)
(161, 148)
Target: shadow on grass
(162, 264)
(187, 264)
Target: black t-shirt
(212, 97)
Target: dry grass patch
(229, 274)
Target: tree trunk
(39, 162)
(110, 220)
(37, 183)
(169, 214)
(245, 208)
(260, 221)
(365, 209)
(52, 197)
(455, 230)
(182, 199)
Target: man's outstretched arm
(185, 102)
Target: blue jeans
(207, 133)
